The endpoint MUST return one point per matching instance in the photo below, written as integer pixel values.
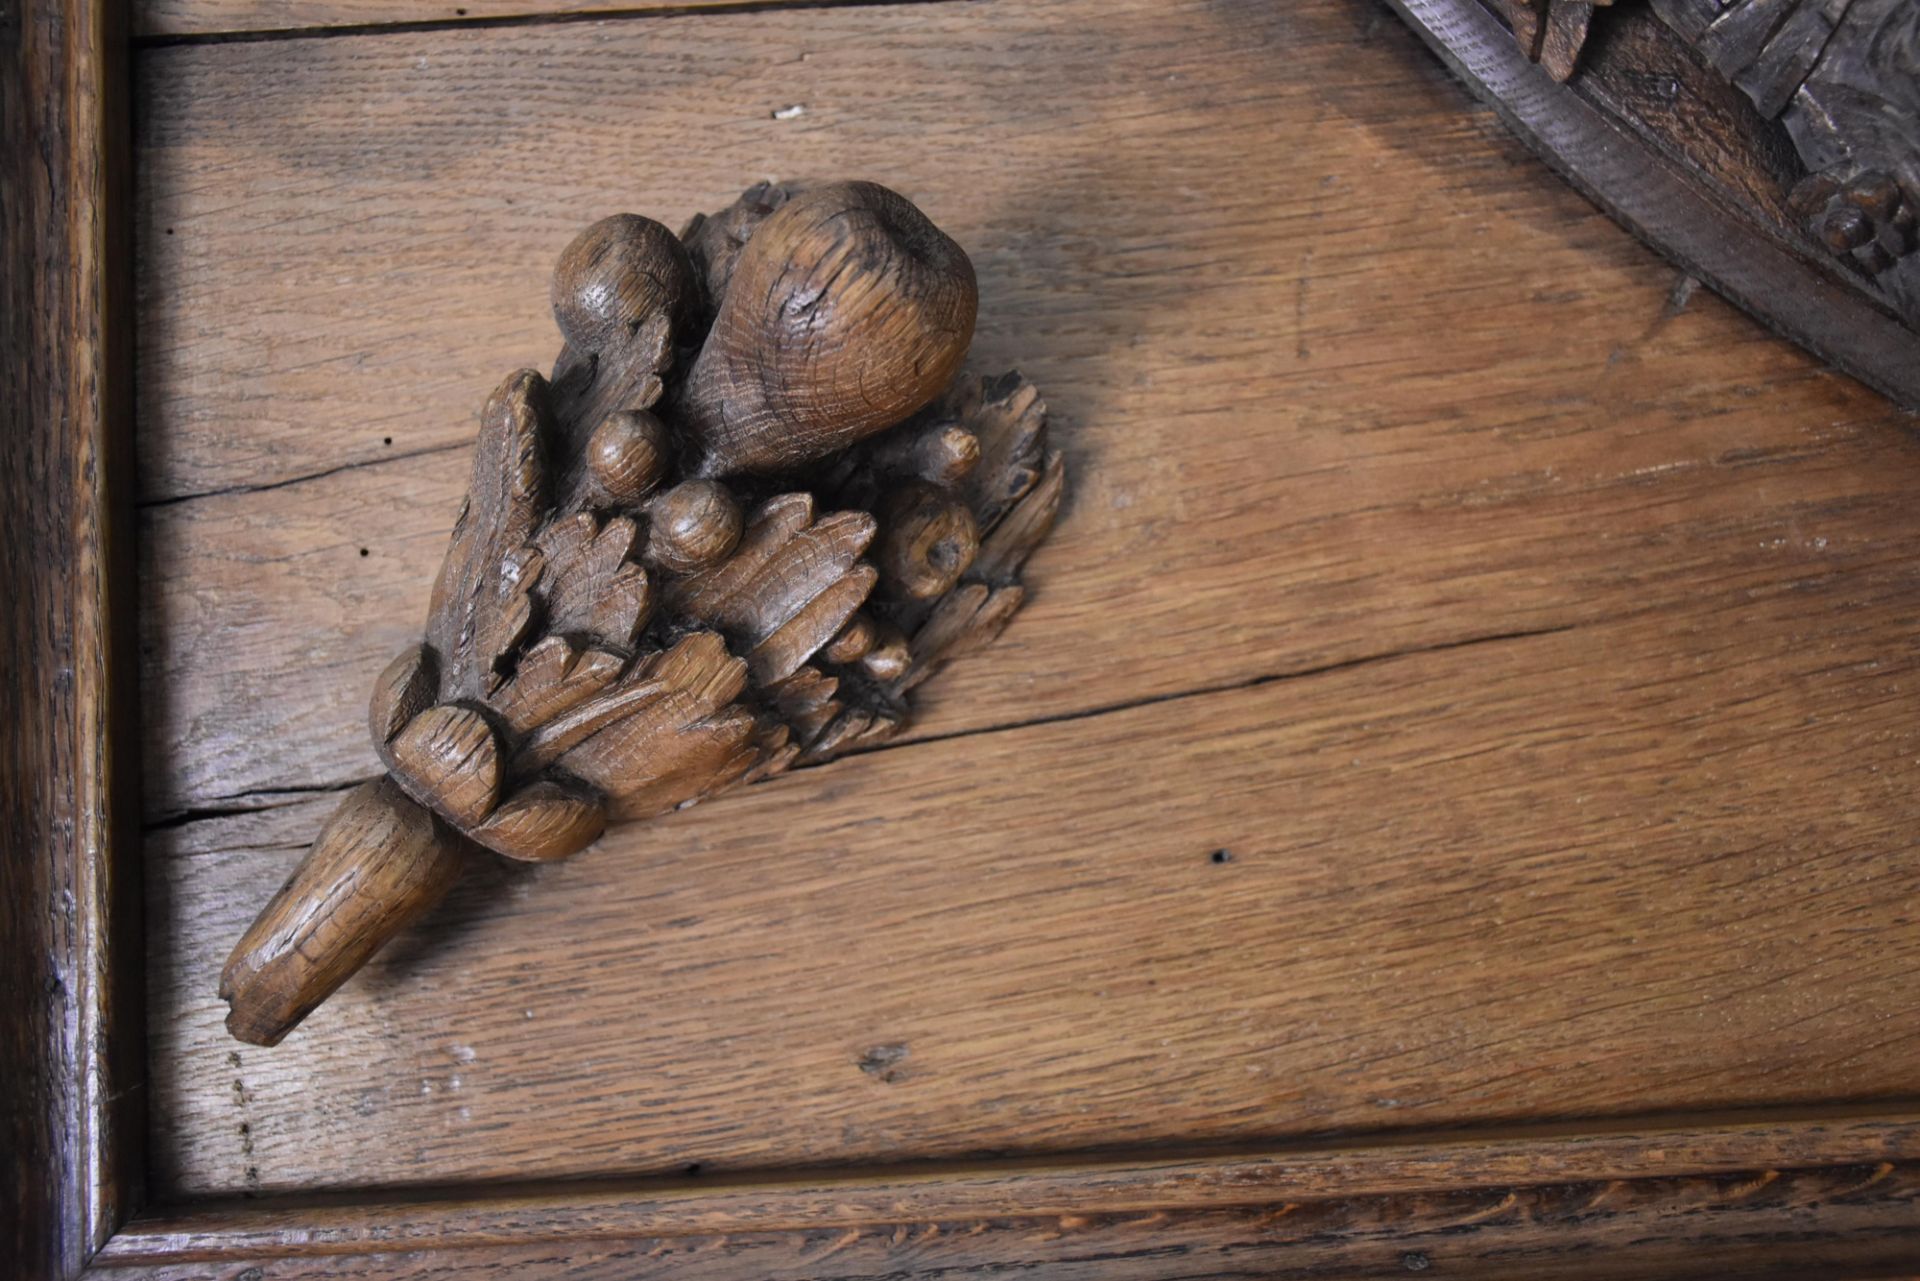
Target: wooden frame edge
(1663, 205)
(71, 1044)
(1693, 1157)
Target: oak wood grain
(188, 19)
(70, 1047)
(1650, 864)
(1467, 686)
(1311, 424)
(1835, 1222)
(799, 1202)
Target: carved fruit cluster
(1865, 220)
(664, 585)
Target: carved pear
(848, 311)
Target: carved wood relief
(1841, 76)
(752, 508)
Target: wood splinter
(661, 586)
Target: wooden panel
(70, 1040)
(1658, 863)
(185, 18)
(1338, 373)
(1531, 636)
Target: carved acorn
(846, 312)
(615, 632)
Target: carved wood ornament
(753, 507)
(1842, 77)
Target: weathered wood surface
(70, 1045)
(183, 19)
(1342, 376)
(1652, 864)
(1311, 423)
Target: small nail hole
(364, 552)
(693, 1169)
(1223, 856)
(169, 231)
(386, 440)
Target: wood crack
(229, 491)
(716, 8)
(258, 799)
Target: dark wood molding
(1837, 1194)
(71, 1052)
(1679, 157)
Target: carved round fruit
(616, 274)
(854, 642)
(928, 538)
(847, 312)
(627, 457)
(694, 525)
(891, 656)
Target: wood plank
(1339, 372)
(179, 19)
(1654, 864)
(71, 1058)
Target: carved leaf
(448, 759)
(553, 677)
(826, 720)
(970, 616)
(1009, 419)
(591, 587)
(699, 663)
(503, 506)
(506, 615)
(784, 561)
(666, 735)
(806, 701)
(810, 627)
(401, 692)
(543, 822)
(1010, 541)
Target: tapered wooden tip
(379, 863)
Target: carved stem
(377, 866)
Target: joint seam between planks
(717, 9)
(228, 806)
